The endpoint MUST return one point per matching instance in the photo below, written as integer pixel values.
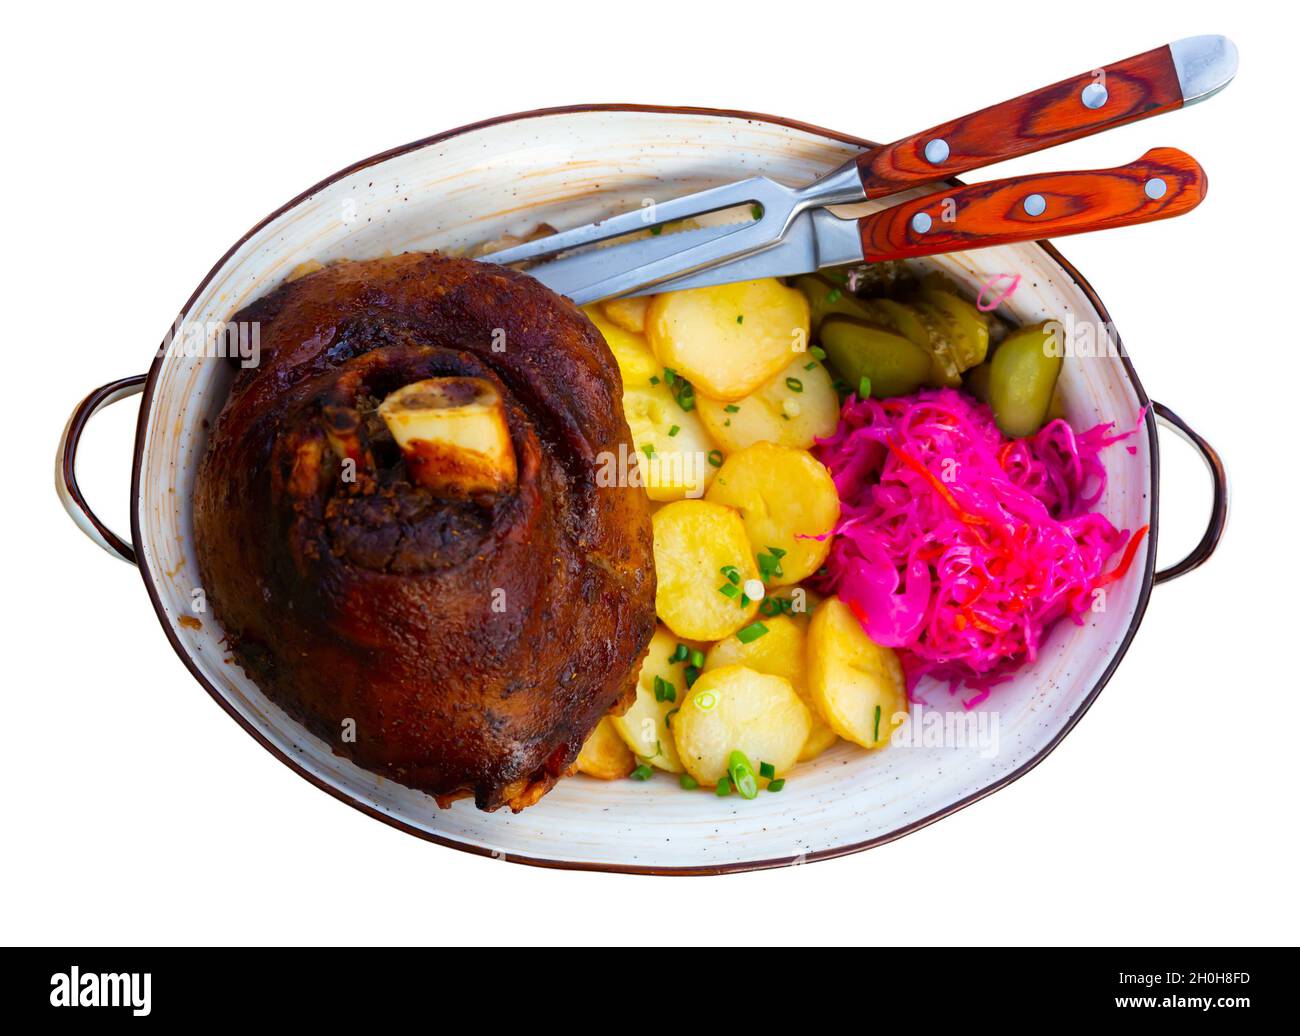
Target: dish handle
(1218, 507)
(70, 495)
(65, 465)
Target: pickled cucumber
(959, 334)
(826, 298)
(856, 350)
(976, 381)
(1022, 380)
(898, 317)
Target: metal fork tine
(697, 204)
(627, 268)
(571, 274)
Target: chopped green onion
(875, 733)
(810, 366)
(668, 717)
(731, 408)
(740, 319)
(685, 396)
(769, 564)
(776, 785)
(864, 387)
(751, 633)
(679, 653)
(648, 449)
(771, 607)
(818, 352)
(654, 379)
(715, 458)
(794, 384)
(834, 295)
(642, 772)
(691, 675)
(732, 573)
(656, 231)
(664, 691)
(724, 787)
(729, 590)
(670, 375)
(688, 782)
(742, 774)
(697, 658)
(756, 211)
(767, 771)
(674, 430)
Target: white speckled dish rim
(567, 166)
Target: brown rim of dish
(729, 868)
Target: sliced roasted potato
(794, 408)
(693, 542)
(629, 314)
(644, 728)
(672, 446)
(783, 495)
(728, 340)
(636, 362)
(781, 651)
(734, 708)
(803, 601)
(605, 755)
(854, 683)
(820, 737)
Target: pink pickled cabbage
(958, 546)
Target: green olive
(857, 350)
(1022, 380)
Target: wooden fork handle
(1162, 183)
(1136, 88)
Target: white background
(143, 141)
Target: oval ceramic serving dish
(568, 166)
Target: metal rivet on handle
(936, 151)
(1156, 188)
(921, 222)
(1094, 96)
(1035, 205)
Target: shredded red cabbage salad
(958, 546)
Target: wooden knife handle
(1162, 183)
(1136, 88)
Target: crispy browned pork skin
(475, 621)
